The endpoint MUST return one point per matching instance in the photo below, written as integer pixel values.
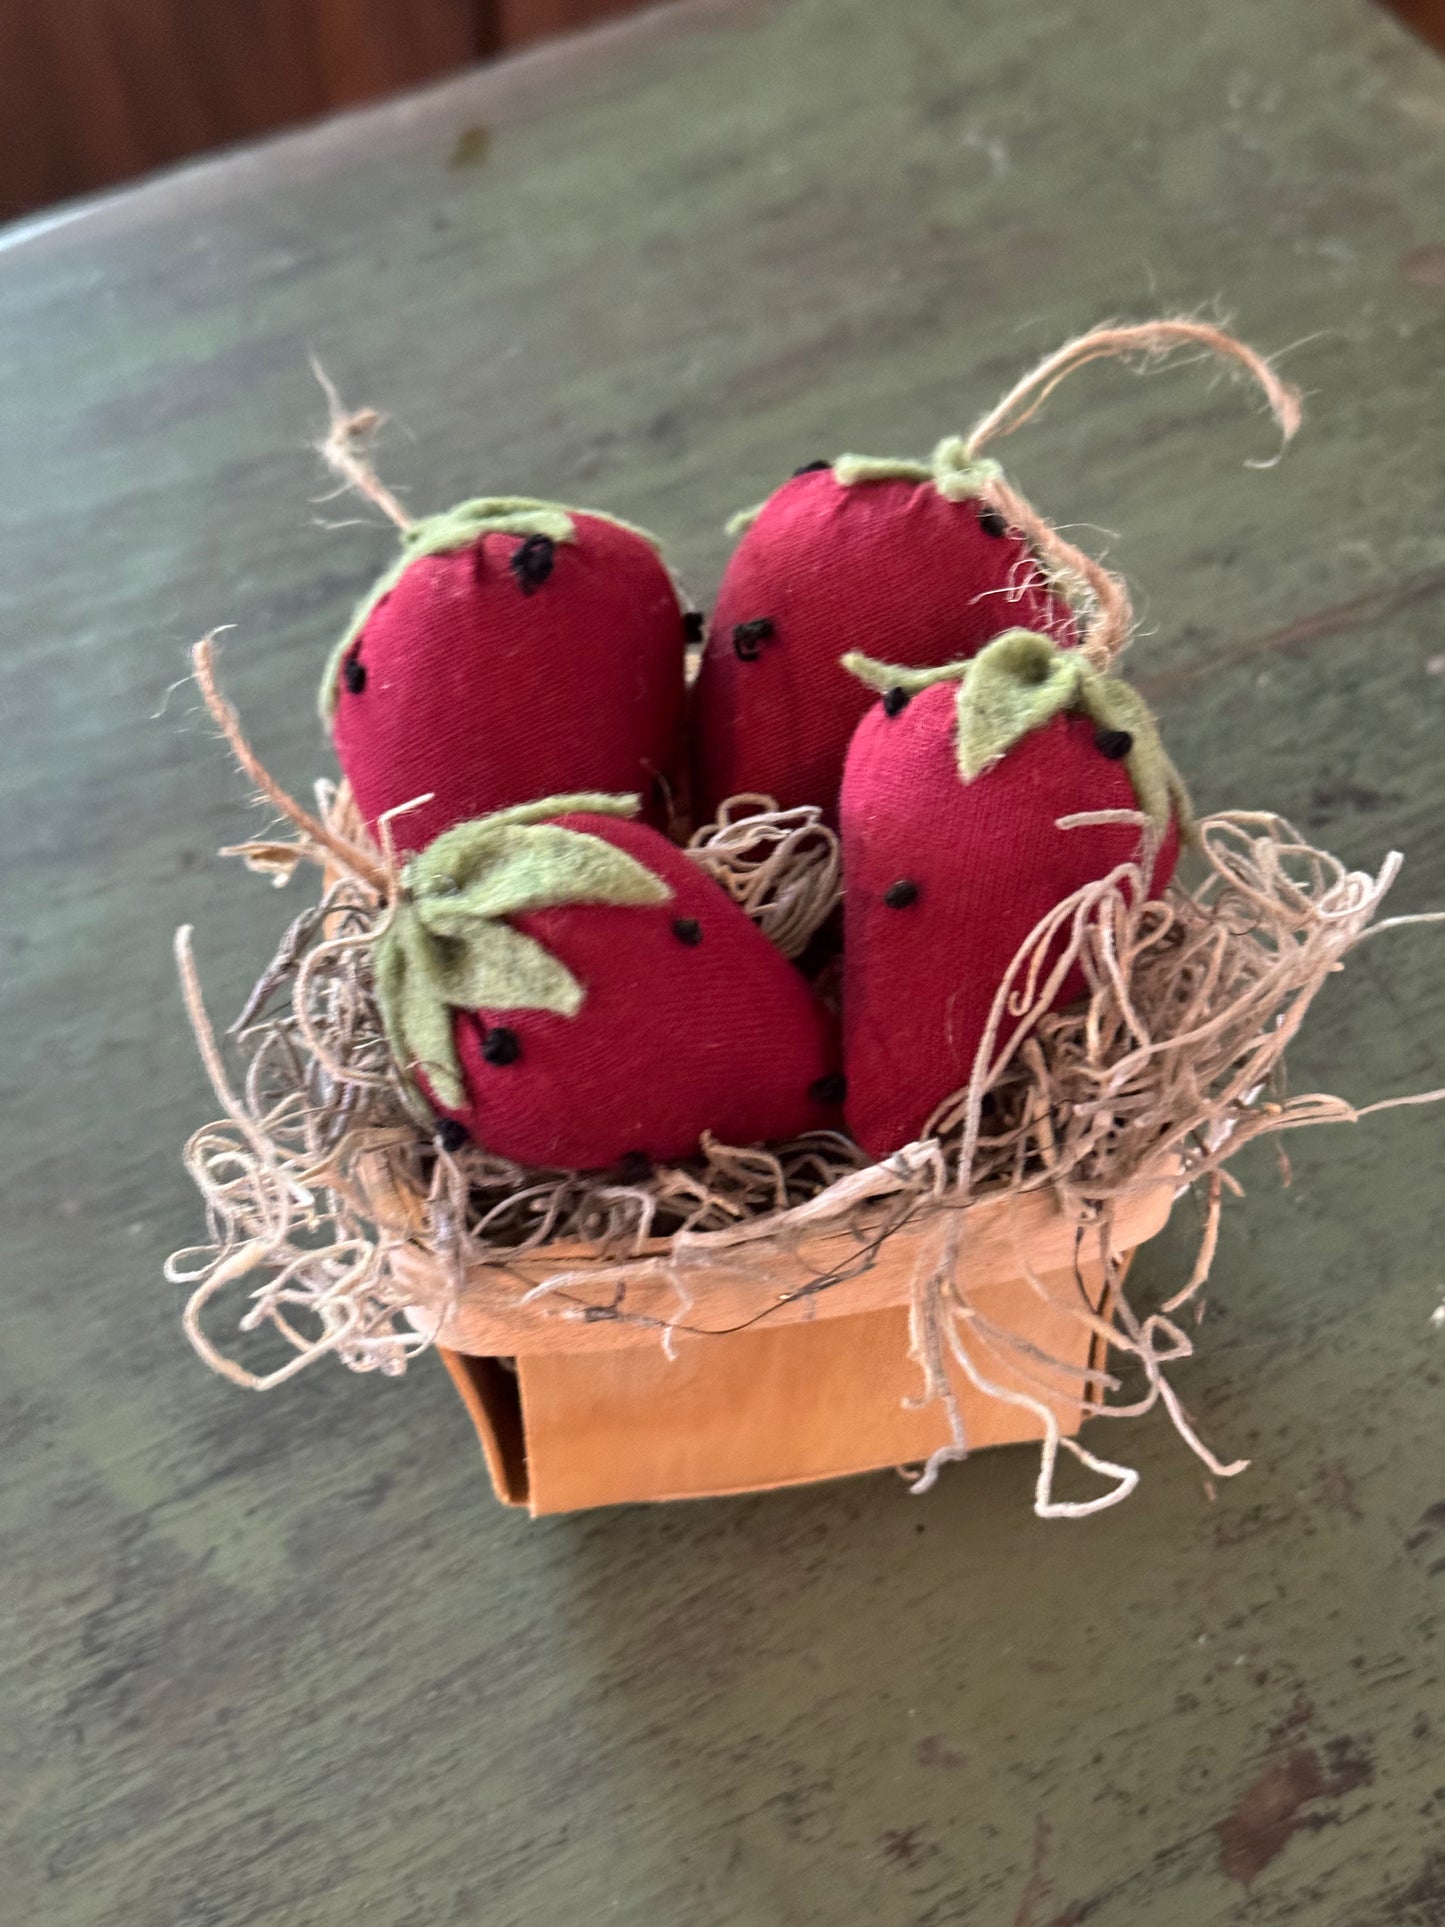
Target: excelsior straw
(784, 867)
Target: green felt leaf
(502, 866)
(884, 676)
(952, 470)
(959, 474)
(1022, 680)
(450, 947)
(1016, 684)
(427, 1006)
(851, 470)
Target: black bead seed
(1113, 743)
(451, 1135)
(353, 673)
(899, 895)
(501, 1046)
(747, 636)
(810, 468)
(991, 522)
(693, 624)
(687, 930)
(635, 1168)
(895, 700)
(532, 562)
(831, 1089)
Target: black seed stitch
(895, 700)
(687, 930)
(747, 636)
(451, 1135)
(636, 1167)
(991, 522)
(500, 1045)
(693, 623)
(532, 562)
(353, 672)
(831, 1089)
(810, 468)
(1113, 743)
(899, 895)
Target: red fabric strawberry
(516, 650)
(906, 563)
(573, 990)
(952, 855)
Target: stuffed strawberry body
(517, 650)
(902, 562)
(952, 855)
(572, 990)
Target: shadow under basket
(770, 1382)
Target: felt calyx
(602, 1004)
(954, 471)
(454, 528)
(515, 649)
(448, 946)
(1019, 682)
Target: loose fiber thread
(1078, 575)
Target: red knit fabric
(988, 863)
(488, 695)
(891, 568)
(712, 1030)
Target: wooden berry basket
(764, 1380)
(871, 1325)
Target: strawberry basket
(936, 1262)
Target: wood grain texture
(781, 1405)
(286, 1658)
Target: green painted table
(282, 1658)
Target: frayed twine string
(344, 448)
(1150, 342)
(1078, 575)
(320, 843)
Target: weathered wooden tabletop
(282, 1657)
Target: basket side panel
(751, 1411)
(488, 1389)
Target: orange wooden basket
(765, 1381)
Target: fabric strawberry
(515, 650)
(573, 991)
(952, 853)
(904, 562)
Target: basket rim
(568, 1296)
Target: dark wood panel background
(93, 92)
(1427, 17)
